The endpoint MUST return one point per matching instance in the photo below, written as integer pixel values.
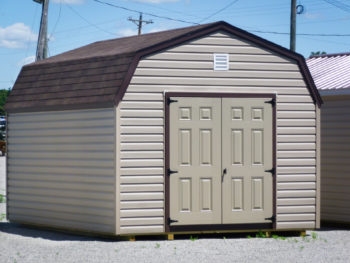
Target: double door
(220, 160)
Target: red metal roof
(331, 71)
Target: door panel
(208, 136)
(246, 154)
(195, 153)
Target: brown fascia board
(230, 29)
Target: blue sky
(74, 23)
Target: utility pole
(41, 50)
(293, 11)
(139, 22)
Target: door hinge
(270, 171)
(171, 221)
(171, 172)
(169, 100)
(272, 102)
(272, 218)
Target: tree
(317, 53)
(4, 93)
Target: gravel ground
(24, 244)
(21, 244)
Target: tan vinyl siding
(189, 68)
(335, 154)
(61, 169)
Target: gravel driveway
(23, 244)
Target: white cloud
(70, 2)
(127, 32)
(16, 36)
(26, 60)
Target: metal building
(195, 129)
(332, 78)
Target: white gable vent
(221, 62)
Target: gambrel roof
(97, 75)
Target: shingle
(97, 75)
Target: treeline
(4, 93)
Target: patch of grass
(193, 238)
(157, 245)
(278, 237)
(314, 235)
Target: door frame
(219, 227)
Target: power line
(87, 21)
(139, 22)
(338, 4)
(149, 14)
(219, 11)
(301, 34)
(58, 19)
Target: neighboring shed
(200, 128)
(331, 74)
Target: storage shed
(331, 74)
(194, 129)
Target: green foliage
(2, 199)
(4, 93)
(157, 245)
(193, 238)
(2, 217)
(278, 237)
(260, 234)
(317, 53)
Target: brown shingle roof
(98, 74)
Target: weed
(175, 250)
(314, 235)
(193, 238)
(301, 247)
(260, 234)
(224, 238)
(249, 236)
(2, 198)
(157, 245)
(278, 237)
(2, 217)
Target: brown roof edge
(221, 25)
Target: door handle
(223, 174)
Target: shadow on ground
(54, 235)
(58, 235)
